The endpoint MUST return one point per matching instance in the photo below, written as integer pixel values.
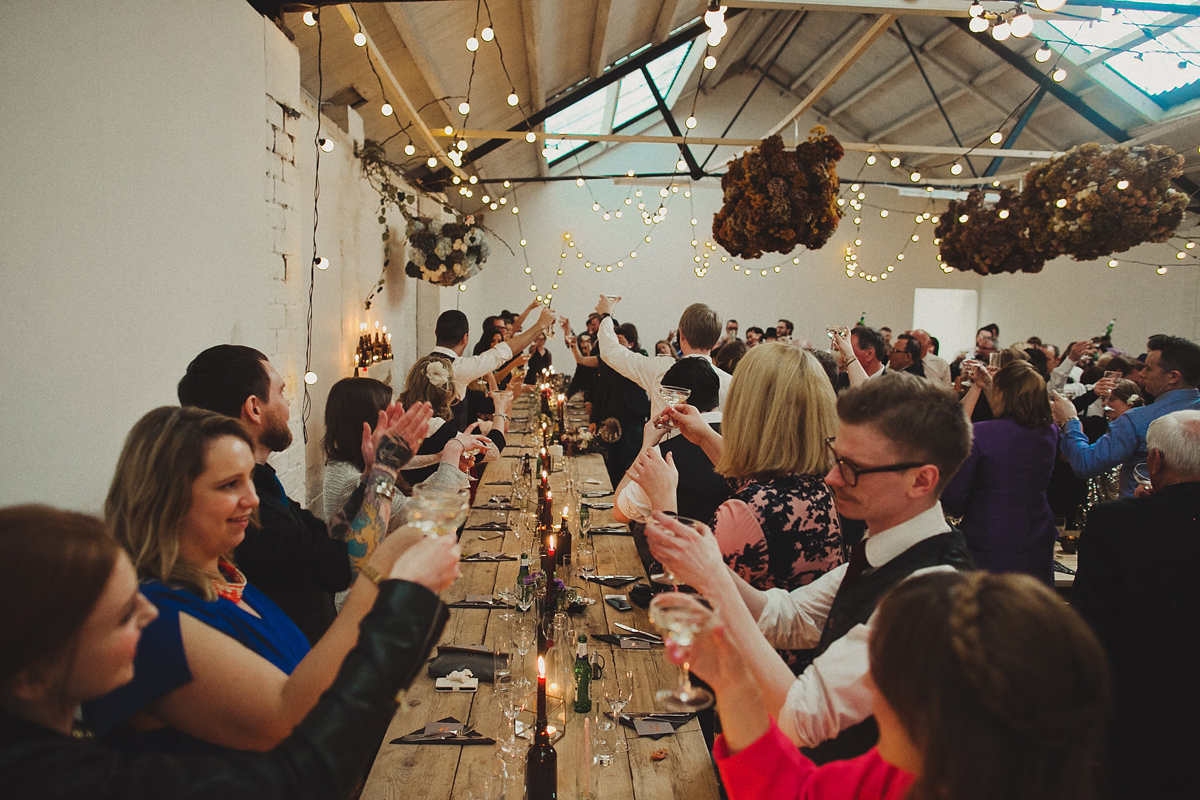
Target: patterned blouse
(780, 532)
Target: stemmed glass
(585, 558)
(434, 514)
(510, 692)
(682, 616)
(618, 691)
(485, 780)
(585, 520)
(672, 396)
(524, 631)
(668, 576)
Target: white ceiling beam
(406, 105)
(600, 37)
(855, 29)
(878, 29)
(909, 8)
(531, 23)
(412, 43)
(666, 14)
(865, 147)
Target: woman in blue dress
(222, 666)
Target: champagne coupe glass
(524, 631)
(672, 396)
(618, 691)
(433, 515)
(682, 616)
(668, 576)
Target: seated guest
(899, 442)
(983, 686)
(73, 616)
(431, 380)
(1000, 491)
(779, 529)
(906, 356)
(1171, 375)
(351, 410)
(290, 555)
(700, 489)
(1136, 586)
(223, 665)
(729, 355)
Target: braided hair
(1000, 685)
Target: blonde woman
(779, 529)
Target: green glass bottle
(583, 677)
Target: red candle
(541, 690)
(549, 569)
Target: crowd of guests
(874, 525)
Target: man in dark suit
(1136, 585)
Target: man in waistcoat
(900, 441)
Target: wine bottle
(583, 677)
(541, 766)
(563, 556)
(523, 589)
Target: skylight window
(634, 97)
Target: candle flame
(551, 541)
(564, 512)
(542, 667)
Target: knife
(654, 636)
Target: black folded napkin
(479, 604)
(491, 558)
(616, 530)
(612, 638)
(466, 737)
(498, 483)
(612, 582)
(488, 526)
(674, 719)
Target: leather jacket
(325, 757)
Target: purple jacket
(1000, 493)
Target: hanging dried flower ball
(445, 254)
(987, 238)
(775, 199)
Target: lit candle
(541, 690)
(549, 570)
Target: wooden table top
(438, 772)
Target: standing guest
(620, 406)
(936, 368)
(779, 528)
(731, 335)
(290, 555)
(984, 686)
(899, 441)
(539, 359)
(985, 345)
(1171, 375)
(222, 665)
(1000, 491)
(906, 356)
(754, 335)
(887, 337)
(586, 363)
(700, 489)
(351, 410)
(699, 328)
(73, 617)
(729, 356)
(663, 348)
(1141, 600)
(770, 335)
(868, 352)
(783, 330)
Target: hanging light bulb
(1022, 23)
(883, 213)
(915, 176)
(386, 109)
(871, 160)
(710, 62)
(1003, 213)
(487, 34)
(996, 137)
(531, 137)
(360, 39)
(325, 144)
(431, 162)
(310, 377)
(1051, 5)
(1043, 54)
(310, 18)
(513, 99)
(1059, 75)
(461, 144)
(895, 162)
(956, 168)
(689, 123)
(464, 108)
(976, 9)
(456, 180)
(474, 179)
(1122, 184)
(978, 24)
(1001, 31)
(409, 149)
(472, 44)
(321, 263)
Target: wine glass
(682, 616)
(585, 520)
(672, 396)
(668, 576)
(435, 515)
(524, 631)
(618, 691)
(511, 697)
(585, 558)
(485, 779)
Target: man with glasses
(900, 441)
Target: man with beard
(290, 555)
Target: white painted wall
(142, 220)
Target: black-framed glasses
(850, 473)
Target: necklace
(232, 582)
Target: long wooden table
(438, 772)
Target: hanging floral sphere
(775, 199)
(447, 253)
(1088, 203)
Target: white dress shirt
(937, 369)
(830, 695)
(468, 368)
(647, 371)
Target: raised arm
(854, 370)
(522, 340)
